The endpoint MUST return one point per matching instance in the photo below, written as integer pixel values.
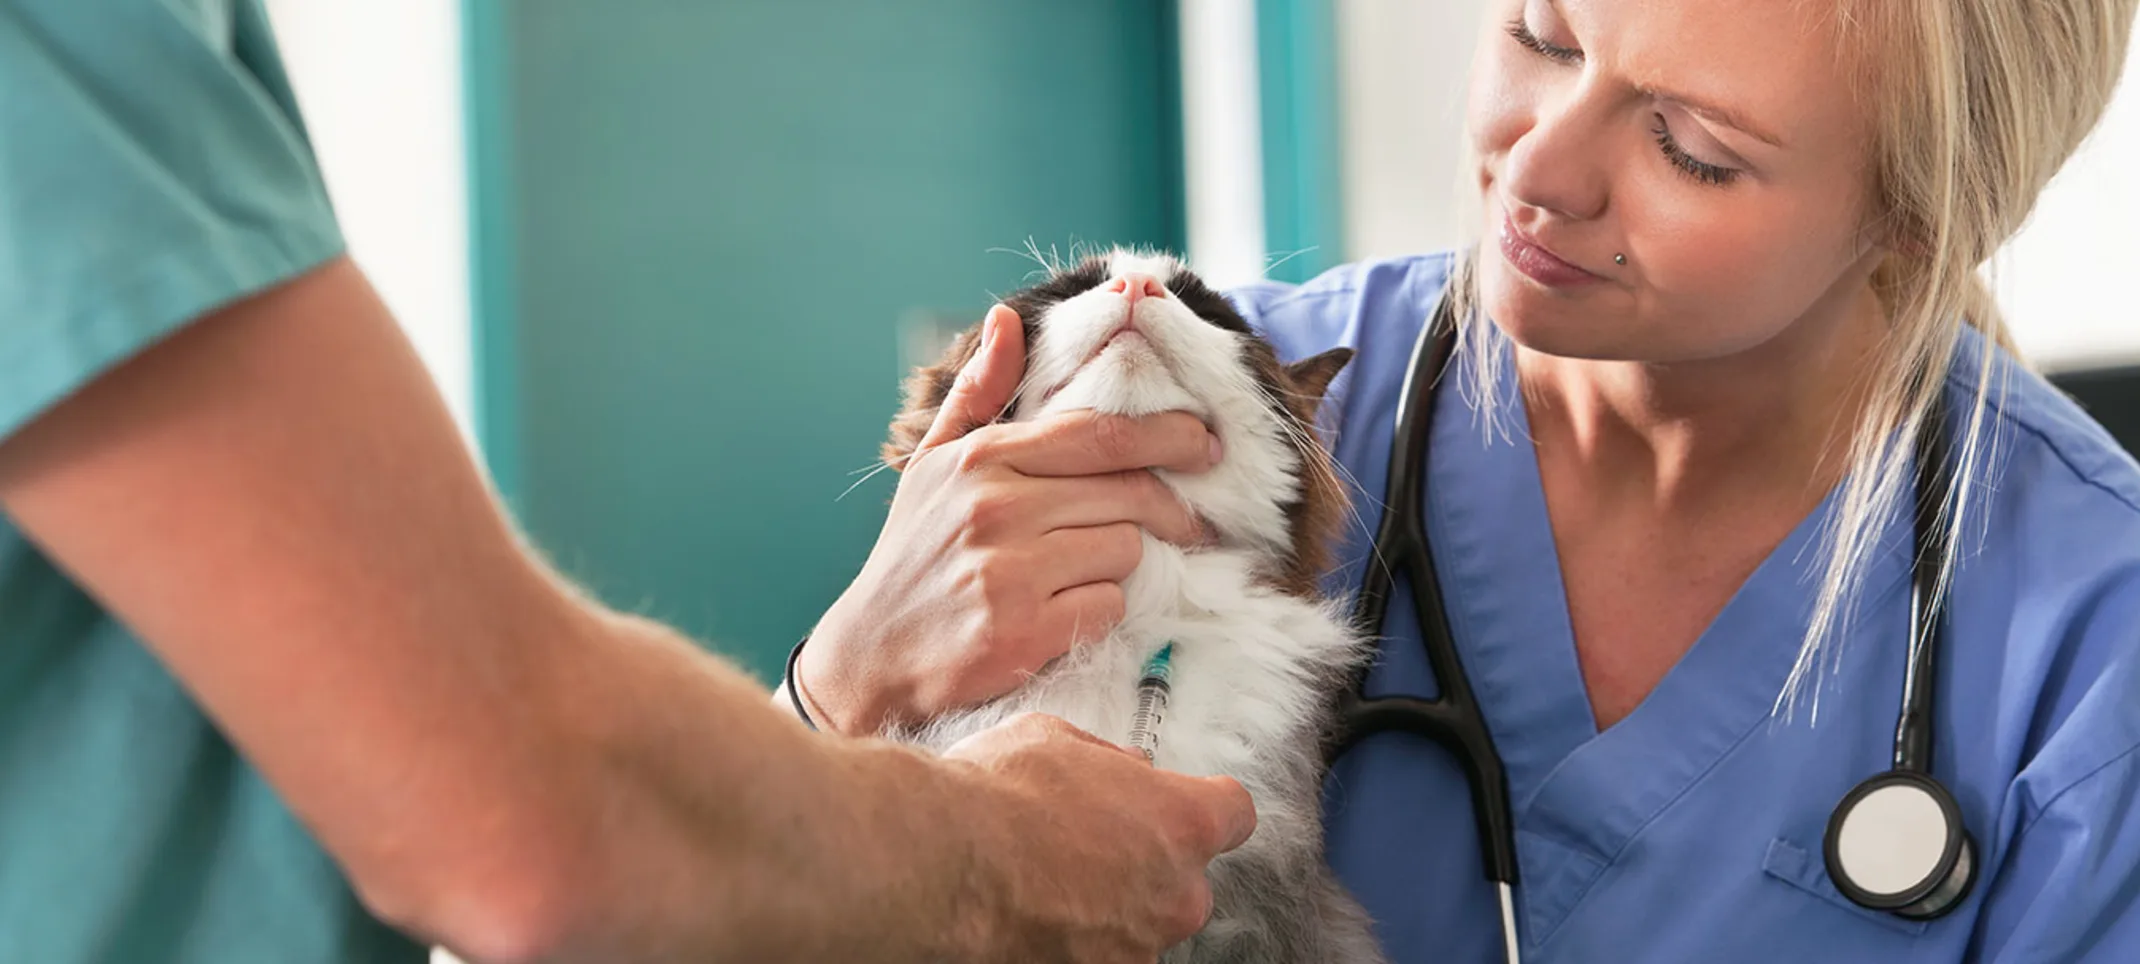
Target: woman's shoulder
(1346, 305)
(2046, 460)
(2050, 570)
(1411, 275)
(2034, 419)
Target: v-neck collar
(1494, 553)
(1581, 795)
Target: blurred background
(669, 259)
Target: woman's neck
(1688, 440)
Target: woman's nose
(1134, 287)
(1557, 165)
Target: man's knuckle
(1011, 641)
(988, 513)
(1008, 620)
(967, 662)
(1190, 911)
(978, 450)
(997, 578)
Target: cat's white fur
(1246, 657)
(1252, 666)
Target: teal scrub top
(152, 167)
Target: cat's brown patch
(1318, 515)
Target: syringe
(1152, 693)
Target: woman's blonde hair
(1975, 105)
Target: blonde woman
(1727, 268)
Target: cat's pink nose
(1133, 287)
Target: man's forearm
(839, 850)
(277, 501)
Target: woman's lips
(1539, 264)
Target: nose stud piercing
(1619, 259)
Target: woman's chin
(1550, 323)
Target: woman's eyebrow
(1701, 107)
(1716, 113)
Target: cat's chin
(1126, 386)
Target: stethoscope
(1895, 842)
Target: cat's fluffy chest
(1251, 666)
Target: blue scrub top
(1692, 829)
(152, 166)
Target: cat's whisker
(1350, 483)
(1273, 266)
(881, 466)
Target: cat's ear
(926, 390)
(1311, 377)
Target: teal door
(701, 229)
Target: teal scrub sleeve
(152, 167)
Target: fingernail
(988, 331)
(1218, 451)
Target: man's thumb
(985, 385)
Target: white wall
(2062, 279)
(1222, 136)
(380, 85)
(1402, 66)
(1402, 70)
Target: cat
(1257, 654)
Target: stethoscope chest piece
(1896, 843)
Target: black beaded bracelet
(787, 679)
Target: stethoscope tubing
(1454, 718)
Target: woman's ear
(1894, 234)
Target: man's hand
(1098, 857)
(1005, 545)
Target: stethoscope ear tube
(1453, 718)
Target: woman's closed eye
(1530, 41)
(1694, 167)
(1704, 172)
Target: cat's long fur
(1258, 655)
